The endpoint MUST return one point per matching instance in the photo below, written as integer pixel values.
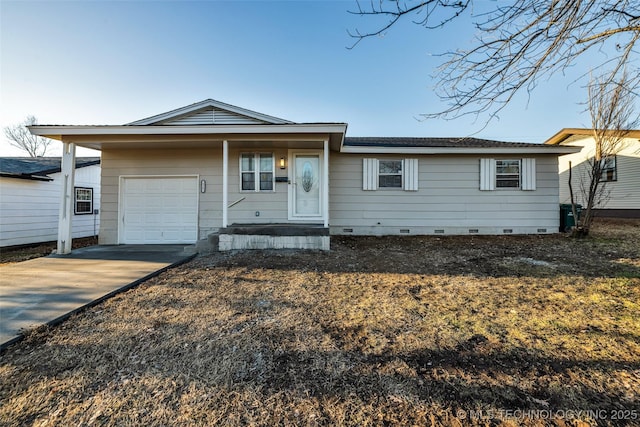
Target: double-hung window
(83, 201)
(390, 174)
(257, 172)
(507, 173)
(608, 169)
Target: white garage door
(159, 210)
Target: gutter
(26, 176)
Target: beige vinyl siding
(271, 205)
(448, 196)
(29, 209)
(624, 193)
(207, 164)
(448, 199)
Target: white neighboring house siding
(29, 209)
(625, 192)
(448, 199)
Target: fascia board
(566, 133)
(57, 132)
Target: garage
(159, 210)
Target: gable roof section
(443, 145)
(38, 168)
(209, 112)
(567, 133)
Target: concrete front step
(266, 236)
(230, 242)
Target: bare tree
(611, 107)
(516, 44)
(20, 137)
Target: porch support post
(68, 170)
(325, 187)
(225, 183)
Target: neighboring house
(211, 167)
(30, 194)
(621, 175)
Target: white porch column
(325, 187)
(68, 169)
(225, 183)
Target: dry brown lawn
(27, 252)
(420, 331)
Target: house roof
(38, 168)
(567, 133)
(430, 142)
(194, 125)
(444, 145)
(203, 122)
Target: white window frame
(605, 166)
(401, 174)
(257, 171)
(76, 200)
(371, 174)
(498, 175)
(527, 175)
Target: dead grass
(24, 253)
(380, 331)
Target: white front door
(305, 191)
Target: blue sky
(114, 62)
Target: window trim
(497, 175)
(75, 201)
(257, 171)
(604, 169)
(401, 186)
(409, 174)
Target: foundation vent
(404, 231)
(507, 231)
(439, 231)
(473, 231)
(347, 230)
(542, 230)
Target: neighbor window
(609, 171)
(83, 201)
(390, 174)
(507, 173)
(257, 171)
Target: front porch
(183, 175)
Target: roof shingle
(432, 142)
(26, 167)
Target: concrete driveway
(45, 290)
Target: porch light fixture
(203, 186)
(283, 163)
